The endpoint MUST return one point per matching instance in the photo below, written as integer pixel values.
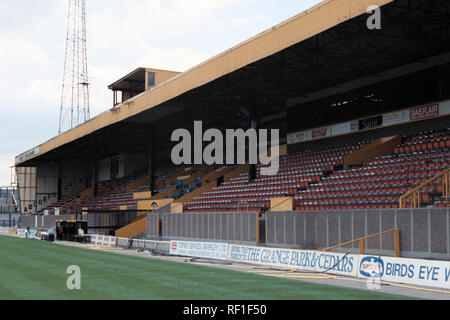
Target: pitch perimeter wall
(424, 233)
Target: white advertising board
(315, 261)
(102, 240)
(388, 119)
(399, 270)
(396, 117)
(410, 271)
(208, 250)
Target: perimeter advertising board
(208, 250)
(410, 271)
(315, 261)
(103, 240)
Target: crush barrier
(362, 242)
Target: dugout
(67, 230)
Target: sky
(121, 36)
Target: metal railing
(414, 195)
(362, 242)
(9, 223)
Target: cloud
(179, 59)
(155, 19)
(258, 19)
(46, 91)
(13, 51)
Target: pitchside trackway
(33, 269)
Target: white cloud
(155, 19)
(179, 59)
(45, 90)
(15, 51)
(258, 19)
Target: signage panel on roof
(27, 155)
(379, 121)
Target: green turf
(31, 269)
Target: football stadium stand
(296, 172)
(382, 182)
(363, 120)
(318, 182)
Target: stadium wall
(231, 227)
(153, 225)
(26, 180)
(42, 222)
(38, 186)
(424, 233)
(47, 185)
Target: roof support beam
(362, 82)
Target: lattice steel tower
(75, 87)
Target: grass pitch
(36, 270)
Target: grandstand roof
(137, 76)
(323, 49)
